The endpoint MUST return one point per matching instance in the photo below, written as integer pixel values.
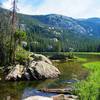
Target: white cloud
(73, 8)
(7, 4)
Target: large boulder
(36, 69)
(43, 69)
(41, 58)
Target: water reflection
(71, 71)
(33, 92)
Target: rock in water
(37, 69)
(42, 69)
(38, 98)
(57, 97)
(15, 73)
(65, 97)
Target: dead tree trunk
(13, 23)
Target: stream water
(71, 72)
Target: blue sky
(72, 8)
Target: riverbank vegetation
(89, 89)
(22, 56)
(10, 36)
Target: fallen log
(67, 90)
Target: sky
(71, 8)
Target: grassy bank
(89, 89)
(92, 53)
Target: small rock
(15, 73)
(65, 97)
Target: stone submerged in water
(57, 97)
(67, 90)
(37, 69)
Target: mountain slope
(88, 27)
(60, 33)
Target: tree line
(42, 40)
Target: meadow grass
(89, 89)
(74, 53)
(81, 59)
(90, 53)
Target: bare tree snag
(13, 23)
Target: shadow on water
(71, 72)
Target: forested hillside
(55, 33)
(61, 33)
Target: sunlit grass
(81, 59)
(91, 53)
(89, 89)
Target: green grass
(91, 53)
(89, 89)
(81, 59)
(75, 53)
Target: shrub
(58, 57)
(62, 56)
(22, 56)
(70, 56)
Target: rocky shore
(38, 67)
